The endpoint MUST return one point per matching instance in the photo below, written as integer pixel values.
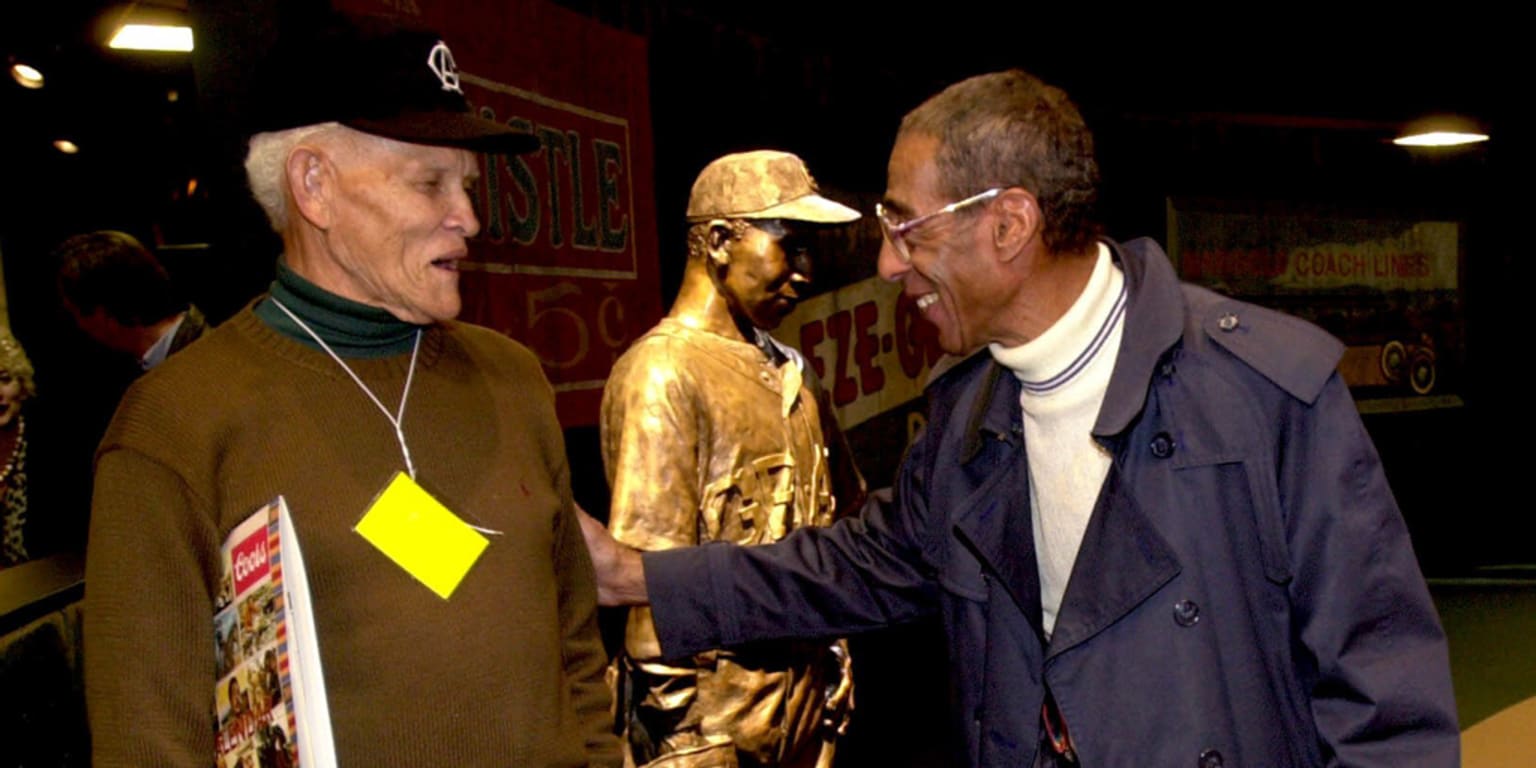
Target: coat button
(1161, 445)
(1186, 613)
(1210, 758)
(1227, 322)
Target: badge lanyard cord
(395, 418)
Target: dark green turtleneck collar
(351, 328)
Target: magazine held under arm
(269, 702)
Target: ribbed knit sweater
(507, 672)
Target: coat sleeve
(149, 648)
(1379, 671)
(866, 571)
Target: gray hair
(266, 162)
(1011, 129)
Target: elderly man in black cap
(346, 388)
(714, 431)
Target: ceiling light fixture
(26, 76)
(66, 146)
(152, 37)
(1441, 131)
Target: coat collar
(1154, 322)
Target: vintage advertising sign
(566, 260)
(1389, 288)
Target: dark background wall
(1290, 106)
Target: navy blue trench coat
(1246, 593)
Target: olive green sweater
(507, 672)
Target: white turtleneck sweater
(1065, 372)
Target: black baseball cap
(378, 77)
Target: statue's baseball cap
(378, 77)
(762, 184)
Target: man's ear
(1018, 223)
(311, 178)
(720, 235)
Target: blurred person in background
(120, 295)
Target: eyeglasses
(896, 230)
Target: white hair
(266, 162)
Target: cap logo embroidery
(441, 61)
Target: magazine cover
(254, 701)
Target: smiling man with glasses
(1148, 515)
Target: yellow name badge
(421, 535)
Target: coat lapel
(1122, 561)
(995, 524)
(996, 529)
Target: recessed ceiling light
(27, 76)
(66, 146)
(1441, 131)
(1439, 139)
(152, 37)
